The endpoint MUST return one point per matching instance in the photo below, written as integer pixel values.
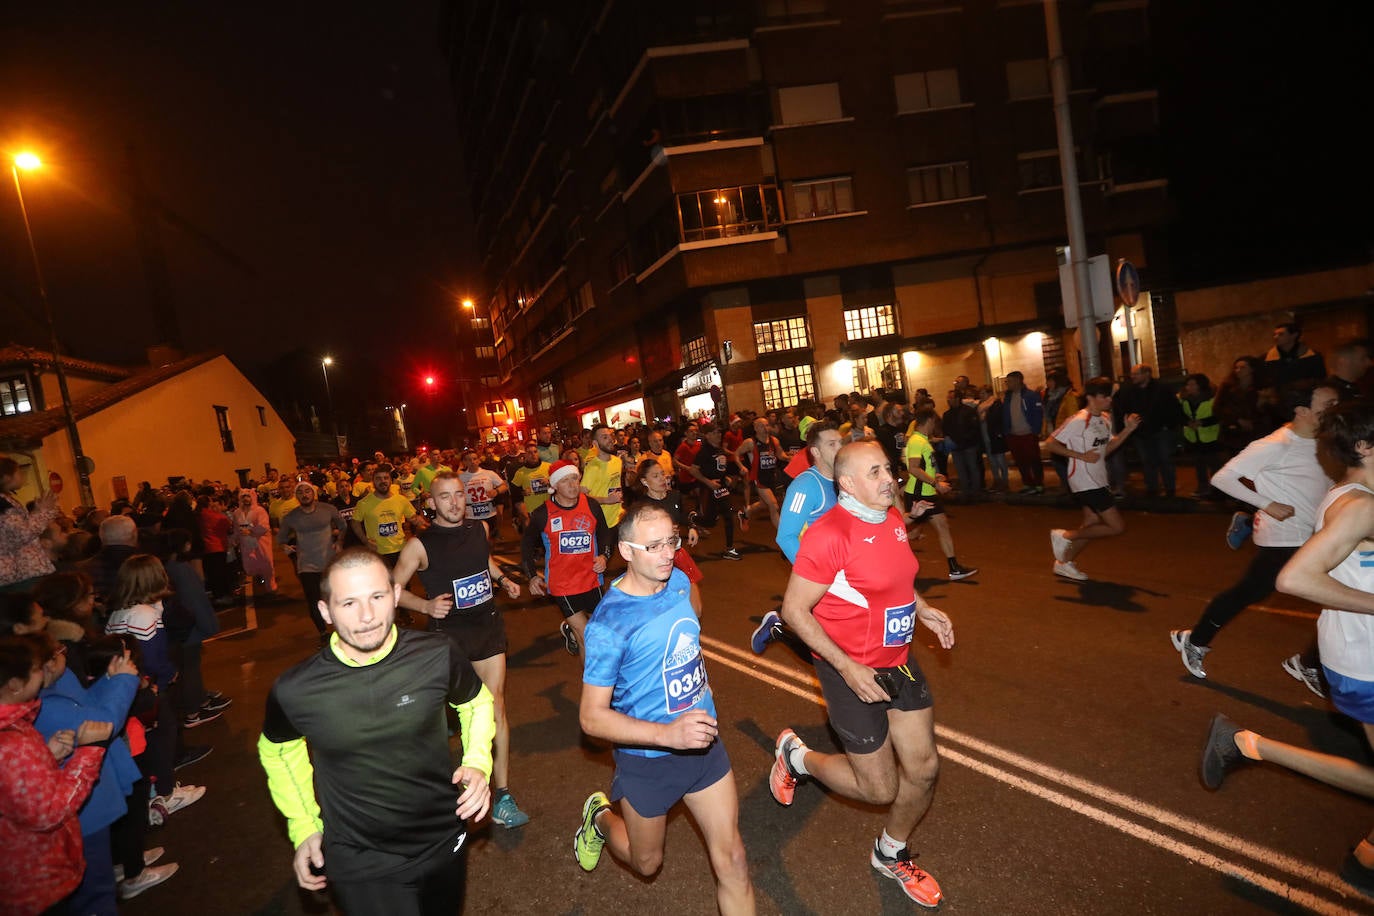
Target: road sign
(1100, 290)
(55, 481)
(1127, 282)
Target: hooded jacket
(39, 800)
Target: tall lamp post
(28, 162)
(329, 397)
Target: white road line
(732, 657)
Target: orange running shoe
(916, 882)
(782, 782)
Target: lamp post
(329, 397)
(28, 162)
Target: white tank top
(1346, 639)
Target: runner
(709, 470)
(573, 538)
(602, 475)
(920, 462)
(532, 480)
(381, 518)
(484, 487)
(317, 532)
(656, 490)
(1086, 440)
(368, 709)
(454, 564)
(645, 689)
(762, 456)
(851, 600)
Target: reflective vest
(1209, 429)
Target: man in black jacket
(1156, 439)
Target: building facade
(791, 199)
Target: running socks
(796, 759)
(888, 847)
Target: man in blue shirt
(644, 688)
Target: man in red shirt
(851, 599)
(684, 457)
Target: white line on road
(790, 680)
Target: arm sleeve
(290, 776)
(792, 518)
(476, 712)
(36, 795)
(1249, 463)
(603, 533)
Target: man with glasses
(645, 689)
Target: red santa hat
(561, 469)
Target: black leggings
(310, 584)
(1255, 585)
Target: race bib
(481, 510)
(612, 492)
(899, 624)
(471, 591)
(388, 529)
(720, 492)
(684, 674)
(539, 485)
(767, 461)
(574, 542)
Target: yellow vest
(1206, 433)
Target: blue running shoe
(1242, 523)
(507, 813)
(768, 630)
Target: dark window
(929, 184)
(226, 435)
(262, 415)
(14, 396)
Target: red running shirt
(870, 607)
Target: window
(1028, 79)
(823, 197)
(923, 91)
(695, 351)
(545, 398)
(785, 334)
(871, 321)
(787, 387)
(582, 300)
(262, 415)
(727, 212)
(877, 373)
(485, 352)
(226, 435)
(14, 396)
(490, 381)
(620, 265)
(480, 324)
(789, 10)
(1040, 170)
(808, 104)
(928, 184)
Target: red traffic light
(429, 380)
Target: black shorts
(1099, 499)
(937, 507)
(586, 602)
(479, 633)
(389, 559)
(652, 785)
(767, 480)
(862, 727)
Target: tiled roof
(16, 354)
(32, 428)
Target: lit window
(923, 91)
(695, 352)
(14, 396)
(1028, 79)
(786, 334)
(480, 324)
(726, 212)
(930, 184)
(486, 352)
(824, 197)
(545, 399)
(787, 387)
(808, 104)
(873, 321)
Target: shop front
(696, 392)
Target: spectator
(118, 542)
(962, 440)
(253, 540)
(1290, 359)
(1160, 418)
(1201, 431)
(22, 557)
(1350, 364)
(991, 426)
(196, 622)
(1023, 414)
(215, 532)
(1240, 408)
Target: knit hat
(561, 469)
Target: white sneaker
(1059, 544)
(149, 877)
(1066, 569)
(1191, 654)
(181, 797)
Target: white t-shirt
(1283, 467)
(1345, 638)
(1084, 432)
(481, 486)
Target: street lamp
(324, 367)
(28, 162)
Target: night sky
(309, 163)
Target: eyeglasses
(667, 545)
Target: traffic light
(429, 381)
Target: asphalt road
(1069, 734)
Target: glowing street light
(28, 162)
(469, 304)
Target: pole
(1073, 206)
(79, 457)
(329, 398)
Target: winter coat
(21, 553)
(39, 800)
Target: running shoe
(1066, 569)
(588, 841)
(199, 717)
(507, 813)
(1192, 655)
(769, 629)
(731, 554)
(149, 877)
(916, 882)
(1220, 753)
(962, 572)
(1059, 543)
(1309, 677)
(149, 857)
(216, 702)
(569, 637)
(743, 520)
(782, 780)
(1242, 523)
(181, 797)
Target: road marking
(791, 680)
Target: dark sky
(311, 147)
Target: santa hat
(561, 469)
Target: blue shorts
(652, 785)
(1353, 697)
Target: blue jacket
(66, 704)
(1031, 406)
